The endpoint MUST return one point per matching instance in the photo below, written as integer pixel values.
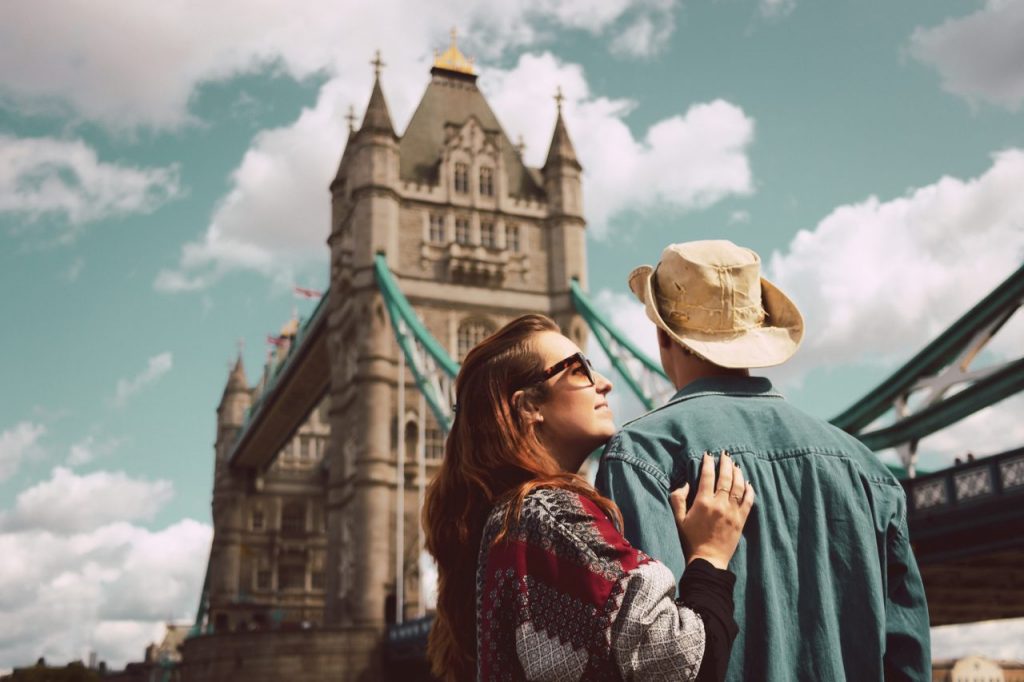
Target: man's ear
(664, 340)
(526, 408)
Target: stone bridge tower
(474, 238)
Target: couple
(652, 575)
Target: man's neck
(688, 368)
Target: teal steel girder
(400, 312)
(937, 354)
(988, 391)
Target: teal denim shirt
(827, 587)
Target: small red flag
(307, 293)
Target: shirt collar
(728, 385)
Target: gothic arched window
(462, 230)
(437, 228)
(435, 444)
(293, 518)
(472, 332)
(461, 178)
(487, 233)
(512, 242)
(486, 182)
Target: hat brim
(765, 346)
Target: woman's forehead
(554, 347)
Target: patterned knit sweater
(565, 597)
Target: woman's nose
(604, 384)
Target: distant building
(977, 669)
(76, 671)
(160, 662)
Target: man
(827, 587)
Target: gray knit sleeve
(653, 636)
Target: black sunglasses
(577, 358)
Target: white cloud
(997, 639)
(687, 161)
(995, 429)
(275, 219)
(71, 503)
(877, 280)
(45, 176)
(109, 589)
(71, 59)
(981, 56)
(16, 444)
(157, 366)
(90, 448)
(648, 33)
(773, 9)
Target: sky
(163, 186)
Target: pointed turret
(236, 379)
(377, 117)
(562, 170)
(561, 149)
(338, 184)
(565, 206)
(236, 399)
(367, 184)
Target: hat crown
(712, 287)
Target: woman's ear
(526, 408)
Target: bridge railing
(972, 482)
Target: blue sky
(163, 185)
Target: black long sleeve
(708, 591)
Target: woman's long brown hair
(491, 455)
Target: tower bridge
(439, 236)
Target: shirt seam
(704, 394)
(617, 453)
(638, 463)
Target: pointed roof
(351, 118)
(377, 116)
(345, 153)
(452, 98)
(237, 382)
(561, 149)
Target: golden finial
(452, 59)
(559, 97)
(351, 118)
(378, 64)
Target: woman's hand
(710, 529)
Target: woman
(535, 579)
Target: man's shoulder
(650, 443)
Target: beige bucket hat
(710, 297)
